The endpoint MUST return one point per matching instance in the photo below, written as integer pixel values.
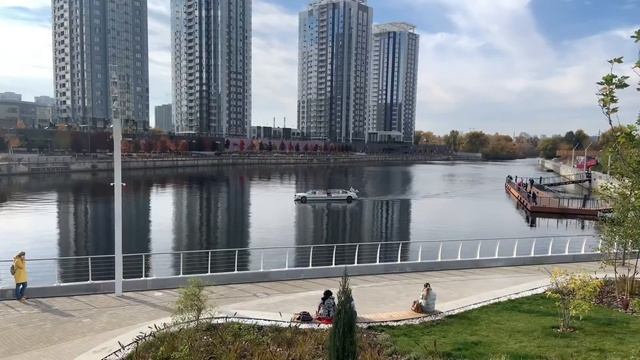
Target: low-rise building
(277, 133)
(15, 113)
(164, 118)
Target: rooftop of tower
(313, 3)
(394, 26)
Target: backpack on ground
(12, 269)
(303, 316)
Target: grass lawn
(520, 329)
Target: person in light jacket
(20, 275)
(428, 299)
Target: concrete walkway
(64, 328)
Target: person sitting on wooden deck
(327, 308)
(427, 302)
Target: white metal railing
(88, 269)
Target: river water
(242, 207)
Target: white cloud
(495, 71)
(26, 65)
(275, 64)
(29, 4)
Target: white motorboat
(327, 195)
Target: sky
(494, 65)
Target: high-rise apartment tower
(393, 83)
(101, 62)
(334, 67)
(211, 61)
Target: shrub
(192, 303)
(635, 305)
(574, 295)
(343, 344)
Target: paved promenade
(90, 326)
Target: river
(242, 207)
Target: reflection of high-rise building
(95, 42)
(334, 54)
(212, 212)
(211, 57)
(366, 220)
(85, 224)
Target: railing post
(440, 252)
(515, 249)
(90, 273)
(600, 245)
(550, 246)
(497, 249)
(566, 249)
(478, 252)
(460, 251)
(58, 271)
(181, 260)
(355, 260)
(311, 257)
(333, 262)
(144, 268)
(209, 263)
(378, 254)
(399, 253)
(533, 248)
(584, 244)
(286, 261)
(420, 253)
(262, 260)
(235, 267)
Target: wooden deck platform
(546, 204)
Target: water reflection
(85, 225)
(239, 207)
(368, 220)
(211, 211)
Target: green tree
(417, 137)
(582, 139)
(474, 142)
(192, 304)
(343, 341)
(429, 138)
(548, 147)
(620, 230)
(452, 140)
(574, 295)
(501, 147)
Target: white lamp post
(117, 202)
(585, 157)
(117, 182)
(573, 155)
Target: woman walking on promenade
(20, 275)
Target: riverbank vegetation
(505, 147)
